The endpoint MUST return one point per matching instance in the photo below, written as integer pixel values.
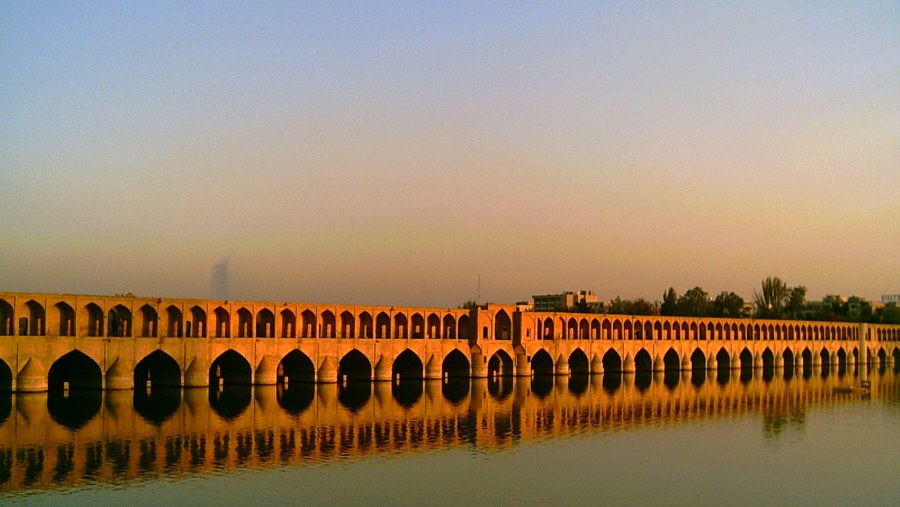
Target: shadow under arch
(232, 368)
(542, 363)
(6, 377)
(456, 389)
(295, 397)
(643, 366)
(408, 371)
(698, 367)
(580, 368)
(75, 407)
(500, 364)
(612, 371)
(296, 367)
(671, 369)
(157, 368)
(455, 365)
(157, 405)
(355, 381)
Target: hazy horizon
(383, 153)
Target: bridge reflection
(83, 436)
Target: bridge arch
(366, 325)
(91, 317)
(295, 367)
(579, 362)
(542, 363)
(612, 361)
(407, 366)
(500, 364)
(198, 326)
(348, 325)
(223, 323)
(157, 368)
(6, 377)
(382, 326)
(417, 326)
(433, 326)
(401, 326)
(65, 318)
(310, 324)
(77, 370)
(449, 327)
(119, 322)
(355, 366)
(174, 322)
(32, 319)
(232, 368)
(455, 364)
(671, 360)
(642, 361)
(329, 325)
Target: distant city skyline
(375, 153)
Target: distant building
(891, 299)
(564, 301)
(524, 306)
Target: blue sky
(392, 152)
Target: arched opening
(265, 324)
(788, 360)
(74, 390)
(6, 318)
(329, 325)
(119, 322)
(198, 328)
(542, 363)
(825, 361)
(348, 325)
(35, 322)
(309, 323)
(698, 367)
(455, 365)
(463, 327)
(746, 359)
(231, 369)
(407, 366)
(549, 333)
(74, 370)
(407, 372)
(174, 324)
(417, 330)
(500, 365)
(382, 326)
(355, 366)
(433, 329)
(580, 368)
(842, 362)
(401, 327)
(66, 319)
(612, 361)
(896, 356)
(354, 376)
(366, 325)
(449, 327)
(157, 369)
(223, 323)
(148, 322)
(245, 323)
(157, 387)
(502, 326)
(6, 377)
(500, 372)
(723, 367)
(643, 370)
(643, 361)
(807, 363)
(579, 362)
(288, 324)
(672, 367)
(296, 367)
(768, 360)
(93, 319)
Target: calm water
(751, 439)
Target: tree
(796, 301)
(770, 302)
(669, 304)
(694, 303)
(728, 304)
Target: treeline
(774, 300)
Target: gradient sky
(390, 153)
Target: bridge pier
(433, 369)
(597, 364)
(711, 363)
(628, 364)
(523, 368)
(327, 372)
(562, 366)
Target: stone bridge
(60, 341)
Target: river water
(741, 438)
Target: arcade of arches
(57, 342)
